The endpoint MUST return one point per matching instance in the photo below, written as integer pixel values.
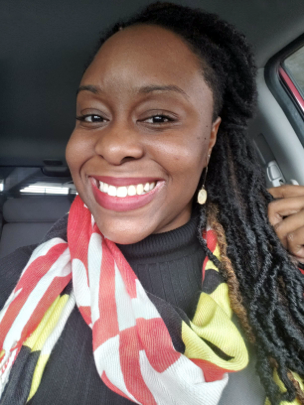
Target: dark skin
(133, 135)
(286, 215)
(145, 111)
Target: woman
(167, 95)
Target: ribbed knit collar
(176, 242)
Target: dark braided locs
(266, 289)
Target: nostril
(119, 153)
(119, 145)
(128, 159)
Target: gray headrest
(35, 208)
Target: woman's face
(143, 135)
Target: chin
(123, 239)
(124, 234)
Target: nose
(119, 143)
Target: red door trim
(284, 76)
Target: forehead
(148, 53)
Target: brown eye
(90, 118)
(158, 119)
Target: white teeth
(139, 189)
(105, 187)
(112, 191)
(124, 191)
(131, 191)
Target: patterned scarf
(144, 349)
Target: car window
(292, 75)
(17, 181)
(294, 66)
(284, 76)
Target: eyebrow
(150, 89)
(145, 89)
(91, 88)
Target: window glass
(33, 180)
(294, 66)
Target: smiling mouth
(124, 196)
(125, 191)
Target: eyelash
(163, 116)
(166, 118)
(82, 118)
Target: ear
(213, 135)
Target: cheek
(185, 159)
(77, 152)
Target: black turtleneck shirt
(169, 265)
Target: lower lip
(125, 203)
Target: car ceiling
(44, 46)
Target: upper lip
(125, 181)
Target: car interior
(44, 49)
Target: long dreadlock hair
(265, 287)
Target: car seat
(28, 218)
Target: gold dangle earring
(202, 194)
